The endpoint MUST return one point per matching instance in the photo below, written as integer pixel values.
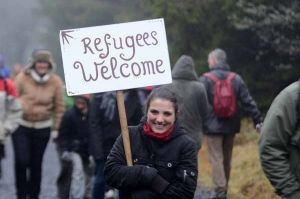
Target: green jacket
(279, 144)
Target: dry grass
(247, 180)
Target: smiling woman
(164, 157)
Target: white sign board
(115, 57)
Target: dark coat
(105, 122)
(192, 97)
(168, 169)
(214, 125)
(73, 132)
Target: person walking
(41, 96)
(10, 113)
(105, 128)
(225, 90)
(164, 157)
(76, 174)
(279, 143)
(192, 97)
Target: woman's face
(161, 115)
(42, 67)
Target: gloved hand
(67, 156)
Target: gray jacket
(214, 125)
(192, 96)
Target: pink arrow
(65, 36)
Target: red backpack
(224, 97)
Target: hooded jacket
(192, 97)
(40, 96)
(10, 109)
(215, 125)
(169, 168)
(279, 144)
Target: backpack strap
(230, 77)
(298, 107)
(212, 77)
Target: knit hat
(86, 97)
(40, 55)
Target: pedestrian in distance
(279, 143)
(164, 157)
(73, 141)
(41, 95)
(225, 90)
(104, 130)
(192, 97)
(10, 113)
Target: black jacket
(105, 122)
(167, 168)
(214, 125)
(73, 132)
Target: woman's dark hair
(165, 94)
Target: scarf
(166, 136)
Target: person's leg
(22, 153)
(78, 178)
(227, 154)
(99, 182)
(2, 155)
(88, 172)
(39, 141)
(215, 147)
(64, 180)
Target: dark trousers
(99, 182)
(29, 146)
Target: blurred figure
(41, 95)
(144, 92)
(76, 174)
(17, 68)
(4, 70)
(225, 90)
(164, 157)
(192, 98)
(279, 143)
(105, 128)
(10, 112)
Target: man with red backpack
(224, 90)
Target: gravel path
(50, 173)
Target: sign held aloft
(115, 57)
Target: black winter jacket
(73, 132)
(169, 169)
(214, 125)
(105, 122)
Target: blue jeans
(99, 182)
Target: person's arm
(275, 148)
(13, 109)
(65, 134)
(96, 136)
(249, 105)
(185, 182)
(120, 176)
(59, 105)
(203, 102)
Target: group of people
(166, 125)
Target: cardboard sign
(115, 57)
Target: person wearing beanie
(74, 180)
(41, 96)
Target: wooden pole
(124, 127)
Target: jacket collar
(221, 66)
(39, 79)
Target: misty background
(261, 37)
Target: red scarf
(166, 136)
